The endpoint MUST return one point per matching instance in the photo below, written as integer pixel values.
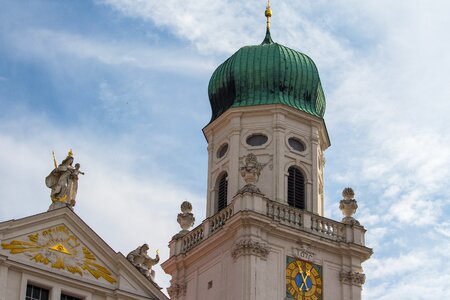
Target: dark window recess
(222, 151)
(222, 187)
(210, 284)
(296, 188)
(257, 139)
(66, 297)
(296, 144)
(36, 293)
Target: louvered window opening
(222, 192)
(296, 188)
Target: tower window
(257, 139)
(36, 293)
(296, 144)
(222, 150)
(222, 187)
(296, 188)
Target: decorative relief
(249, 247)
(176, 290)
(60, 249)
(353, 278)
(322, 160)
(250, 172)
(304, 252)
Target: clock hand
(304, 278)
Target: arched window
(296, 188)
(221, 188)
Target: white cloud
(54, 45)
(417, 274)
(210, 26)
(443, 228)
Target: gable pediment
(60, 244)
(58, 248)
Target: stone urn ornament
(348, 206)
(186, 218)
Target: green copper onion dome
(269, 73)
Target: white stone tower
(265, 236)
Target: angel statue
(63, 180)
(141, 261)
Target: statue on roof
(141, 261)
(63, 182)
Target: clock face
(303, 280)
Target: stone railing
(306, 221)
(328, 228)
(191, 239)
(280, 213)
(219, 219)
(285, 214)
(208, 227)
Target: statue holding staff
(63, 181)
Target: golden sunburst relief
(60, 249)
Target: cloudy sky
(124, 83)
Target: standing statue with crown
(63, 181)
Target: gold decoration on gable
(60, 248)
(66, 253)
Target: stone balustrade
(328, 228)
(202, 231)
(219, 219)
(191, 239)
(279, 212)
(306, 221)
(286, 215)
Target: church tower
(265, 235)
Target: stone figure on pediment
(63, 181)
(141, 261)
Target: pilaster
(235, 144)
(3, 277)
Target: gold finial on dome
(268, 14)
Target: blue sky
(124, 83)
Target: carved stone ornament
(141, 261)
(304, 252)
(186, 219)
(250, 247)
(322, 160)
(250, 172)
(58, 248)
(176, 290)
(63, 181)
(250, 188)
(348, 206)
(353, 278)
